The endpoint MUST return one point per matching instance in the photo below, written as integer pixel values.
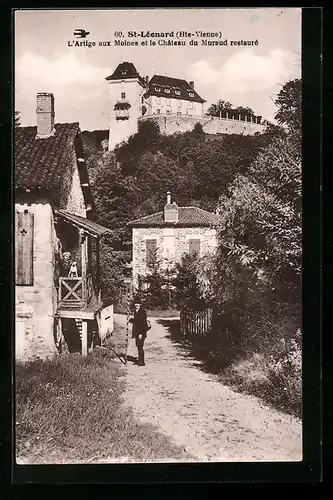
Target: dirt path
(197, 412)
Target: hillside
(133, 180)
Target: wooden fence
(195, 322)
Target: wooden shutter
(24, 240)
(151, 246)
(194, 247)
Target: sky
(243, 75)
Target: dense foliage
(223, 107)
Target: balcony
(80, 297)
(76, 293)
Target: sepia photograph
(158, 235)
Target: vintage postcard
(158, 236)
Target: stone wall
(170, 124)
(35, 304)
(172, 243)
(75, 202)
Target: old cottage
(57, 270)
(169, 234)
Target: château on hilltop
(172, 103)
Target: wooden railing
(75, 292)
(195, 322)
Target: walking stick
(129, 297)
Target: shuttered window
(151, 246)
(24, 239)
(194, 247)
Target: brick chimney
(192, 84)
(45, 115)
(170, 210)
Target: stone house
(167, 235)
(172, 96)
(53, 228)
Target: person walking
(139, 329)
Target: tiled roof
(179, 89)
(42, 163)
(124, 71)
(83, 223)
(187, 217)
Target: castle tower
(126, 95)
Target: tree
(223, 107)
(113, 273)
(153, 286)
(188, 291)
(198, 130)
(220, 107)
(244, 111)
(289, 103)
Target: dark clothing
(139, 322)
(139, 344)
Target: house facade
(166, 236)
(172, 96)
(53, 228)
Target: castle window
(142, 100)
(177, 92)
(158, 111)
(123, 95)
(157, 89)
(167, 91)
(179, 113)
(122, 110)
(168, 111)
(179, 104)
(191, 94)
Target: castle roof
(125, 71)
(172, 88)
(187, 217)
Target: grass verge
(69, 409)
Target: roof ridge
(146, 216)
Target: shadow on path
(195, 350)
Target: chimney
(170, 210)
(147, 81)
(192, 84)
(45, 115)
